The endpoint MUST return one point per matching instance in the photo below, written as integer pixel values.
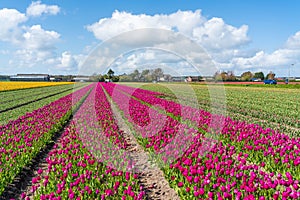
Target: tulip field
(276, 108)
(250, 152)
(15, 103)
(4, 86)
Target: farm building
(207, 78)
(177, 78)
(186, 78)
(55, 79)
(193, 79)
(294, 78)
(30, 77)
(81, 79)
(4, 78)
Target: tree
(135, 75)
(115, 79)
(220, 76)
(144, 75)
(105, 76)
(145, 72)
(101, 79)
(110, 73)
(157, 73)
(259, 75)
(96, 78)
(125, 78)
(246, 76)
(270, 75)
(168, 77)
(224, 76)
(230, 76)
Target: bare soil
(151, 178)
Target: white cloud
(182, 21)
(211, 34)
(46, 61)
(225, 44)
(216, 35)
(24, 58)
(37, 9)
(67, 62)
(152, 59)
(30, 58)
(36, 38)
(186, 21)
(165, 43)
(122, 22)
(34, 47)
(277, 61)
(33, 38)
(293, 42)
(10, 20)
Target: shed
(30, 77)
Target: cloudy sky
(58, 36)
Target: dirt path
(152, 178)
(23, 181)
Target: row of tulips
(240, 104)
(236, 109)
(265, 146)
(151, 125)
(225, 172)
(22, 139)
(81, 164)
(16, 85)
(200, 119)
(7, 97)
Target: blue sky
(57, 36)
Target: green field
(16, 103)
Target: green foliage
(224, 76)
(115, 79)
(270, 75)
(147, 75)
(110, 73)
(259, 75)
(97, 78)
(125, 78)
(246, 76)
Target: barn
(178, 78)
(30, 77)
(81, 79)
